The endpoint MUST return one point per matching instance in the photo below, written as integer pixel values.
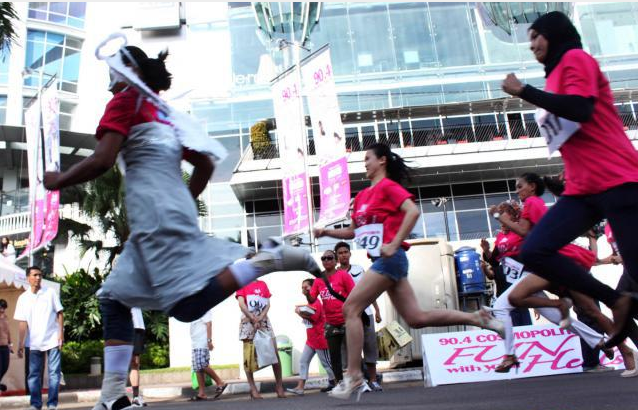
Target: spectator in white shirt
(8, 251)
(39, 312)
(201, 345)
(139, 339)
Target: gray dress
(167, 257)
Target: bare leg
(134, 375)
(253, 388)
(213, 374)
(276, 369)
(201, 381)
(523, 295)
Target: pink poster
(335, 189)
(295, 203)
(328, 134)
(51, 130)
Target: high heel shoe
(566, 320)
(487, 321)
(348, 386)
(508, 362)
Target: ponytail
(396, 167)
(554, 185)
(153, 70)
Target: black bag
(364, 316)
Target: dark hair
(396, 167)
(154, 73)
(30, 268)
(532, 178)
(554, 185)
(3, 304)
(561, 37)
(341, 244)
(309, 281)
(330, 250)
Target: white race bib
(512, 270)
(554, 129)
(370, 238)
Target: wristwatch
(496, 215)
(209, 340)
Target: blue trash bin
(468, 270)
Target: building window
(5, 57)
(66, 13)
(3, 109)
(50, 54)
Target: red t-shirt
(507, 244)
(315, 337)
(382, 204)
(343, 284)
(599, 156)
(533, 210)
(256, 295)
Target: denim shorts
(395, 267)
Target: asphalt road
(566, 392)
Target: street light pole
(440, 202)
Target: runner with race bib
(383, 216)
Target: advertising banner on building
(328, 135)
(465, 357)
(51, 129)
(37, 193)
(286, 92)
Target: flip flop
(219, 390)
(197, 398)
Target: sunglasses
(327, 258)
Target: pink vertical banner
(295, 203)
(334, 184)
(286, 92)
(51, 129)
(329, 137)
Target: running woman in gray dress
(151, 273)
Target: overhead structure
(290, 21)
(505, 14)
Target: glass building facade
(399, 55)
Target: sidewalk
(171, 392)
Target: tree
(8, 34)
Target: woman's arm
(91, 167)
(341, 233)
(202, 172)
(244, 309)
(409, 208)
(264, 312)
(520, 227)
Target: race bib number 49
(554, 129)
(370, 238)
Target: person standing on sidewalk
(6, 347)
(139, 338)
(314, 320)
(370, 348)
(201, 345)
(39, 312)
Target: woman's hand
(493, 209)
(388, 250)
(319, 232)
(51, 181)
(485, 245)
(512, 86)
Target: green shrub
(76, 356)
(155, 356)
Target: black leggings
(4, 361)
(627, 284)
(570, 217)
(335, 341)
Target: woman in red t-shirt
(314, 319)
(601, 164)
(335, 331)
(383, 216)
(528, 292)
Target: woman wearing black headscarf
(577, 116)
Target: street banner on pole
(37, 194)
(286, 92)
(50, 122)
(329, 137)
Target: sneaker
(280, 257)
(138, 401)
(120, 404)
(375, 386)
(347, 387)
(52, 408)
(331, 385)
(296, 392)
(597, 369)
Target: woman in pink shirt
(383, 216)
(601, 164)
